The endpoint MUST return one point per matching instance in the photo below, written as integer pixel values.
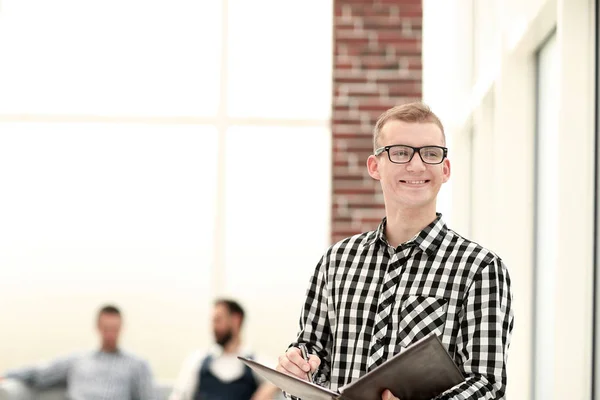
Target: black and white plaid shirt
(367, 299)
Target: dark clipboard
(420, 372)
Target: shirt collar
(377, 235)
(117, 352)
(428, 239)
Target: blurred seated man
(218, 374)
(105, 374)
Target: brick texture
(377, 65)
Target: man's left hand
(387, 395)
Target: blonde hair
(409, 112)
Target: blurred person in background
(217, 374)
(380, 291)
(109, 373)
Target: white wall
(180, 155)
(546, 218)
(445, 23)
(493, 129)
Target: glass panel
(105, 213)
(278, 185)
(280, 67)
(110, 57)
(547, 212)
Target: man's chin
(110, 347)
(223, 340)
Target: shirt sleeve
(484, 336)
(315, 331)
(143, 385)
(44, 375)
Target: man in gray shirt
(106, 374)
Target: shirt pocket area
(419, 317)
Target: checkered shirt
(366, 300)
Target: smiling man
(377, 292)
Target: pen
(304, 352)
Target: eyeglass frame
(415, 151)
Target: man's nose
(416, 164)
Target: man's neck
(109, 349)
(403, 224)
(233, 346)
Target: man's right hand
(387, 395)
(292, 363)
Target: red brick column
(377, 65)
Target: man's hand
(292, 363)
(387, 395)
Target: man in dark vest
(217, 374)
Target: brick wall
(377, 65)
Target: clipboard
(422, 371)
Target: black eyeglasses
(402, 154)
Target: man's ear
(373, 167)
(237, 321)
(446, 170)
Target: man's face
(224, 325)
(413, 185)
(109, 327)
